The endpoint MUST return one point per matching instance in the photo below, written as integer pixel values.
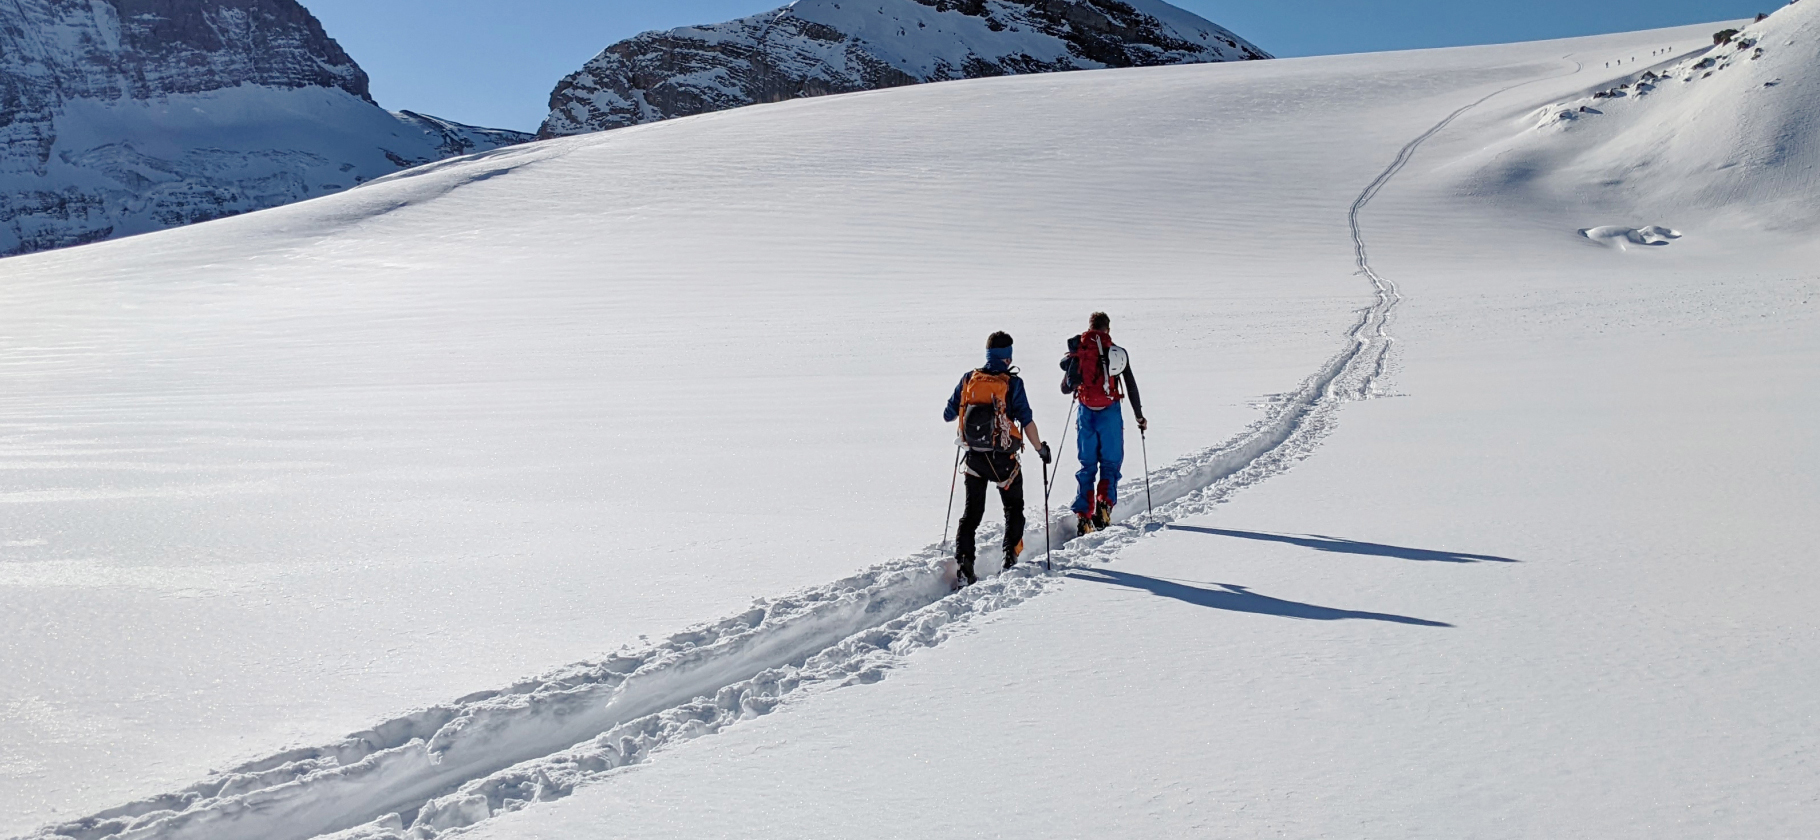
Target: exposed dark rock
(820, 47)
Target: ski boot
(1083, 524)
(1012, 553)
(965, 576)
(1102, 508)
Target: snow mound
(1619, 237)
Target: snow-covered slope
(1734, 128)
(1465, 526)
(819, 47)
(122, 117)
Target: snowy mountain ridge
(819, 47)
(128, 116)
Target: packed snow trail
(1378, 317)
(494, 752)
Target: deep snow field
(1473, 526)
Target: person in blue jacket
(993, 412)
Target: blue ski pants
(1102, 451)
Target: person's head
(1099, 321)
(998, 348)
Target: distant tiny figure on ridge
(993, 411)
(1094, 369)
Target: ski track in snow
(445, 768)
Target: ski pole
(1047, 484)
(953, 475)
(1144, 441)
(1065, 425)
(1048, 544)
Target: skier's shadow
(1335, 544)
(1238, 599)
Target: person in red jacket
(1099, 376)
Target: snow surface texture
(123, 117)
(819, 47)
(537, 741)
(430, 389)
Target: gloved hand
(1044, 454)
(1143, 425)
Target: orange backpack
(985, 422)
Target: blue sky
(494, 62)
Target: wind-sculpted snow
(819, 47)
(1620, 237)
(129, 116)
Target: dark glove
(1044, 454)
(1143, 425)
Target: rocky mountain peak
(128, 116)
(139, 49)
(818, 47)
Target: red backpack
(1099, 363)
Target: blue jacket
(1019, 409)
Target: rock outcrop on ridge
(128, 116)
(818, 47)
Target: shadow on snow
(1335, 544)
(1239, 599)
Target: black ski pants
(994, 468)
